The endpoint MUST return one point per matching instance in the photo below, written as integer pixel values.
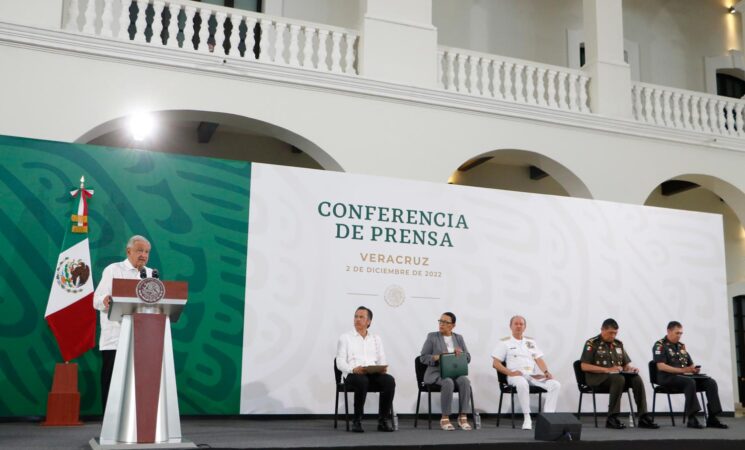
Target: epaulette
(506, 338)
(528, 337)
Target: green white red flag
(70, 312)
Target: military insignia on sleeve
(657, 352)
(529, 344)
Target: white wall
(339, 13)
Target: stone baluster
(677, 110)
(739, 121)
(158, 25)
(174, 9)
(336, 51)
(294, 48)
(552, 89)
(220, 19)
(727, 109)
(648, 105)
(540, 87)
(460, 62)
(234, 40)
(658, 112)
(204, 30)
(308, 36)
(584, 83)
(471, 76)
(508, 94)
(484, 66)
(713, 115)
(530, 85)
(250, 40)
(279, 42)
(695, 115)
(322, 49)
(704, 108)
(518, 84)
(89, 16)
(685, 109)
(450, 71)
(562, 90)
(124, 20)
(349, 58)
(265, 25)
(667, 109)
(73, 11)
(108, 21)
(637, 101)
(190, 13)
(141, 22)
(572, 95)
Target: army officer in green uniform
(603, 359)
(675, 370)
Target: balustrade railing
(209, 29)
(511, 79)
(688, 110)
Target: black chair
(585, 388)
(505, 388)
(657, 389)
(341, 388)
(420, 368)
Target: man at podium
(133, 267)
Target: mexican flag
(70, 312)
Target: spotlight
(732, 10)
(141, 126)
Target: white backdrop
(565, 264)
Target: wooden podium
(142, 407)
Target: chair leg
(670, 405)
(416, 416)
(346, 408)
(336, 409)
(654, 400)
(512, 403)
(703, 405)
(429, 409)
(579, 408)
(594, 409)
(631, 408)
(540, 402)
(499, 410)
(473, 408)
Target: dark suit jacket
(435, 345)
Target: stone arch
(238, 122)
(536, 166)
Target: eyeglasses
(445, 322)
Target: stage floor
(247, 433)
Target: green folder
(452, 366)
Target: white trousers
(523, 392)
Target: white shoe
(527, 424)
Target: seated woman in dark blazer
(437, 343)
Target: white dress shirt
(110, 330)
(353, 351)
(518, 354)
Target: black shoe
(357, 427)
(385, 425)
(614, 423)
(646, 421)
(713, 422)
(694, 423)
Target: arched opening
(704, 193)
(216, 135)
(520, 170)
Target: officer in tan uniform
(675, 370)
(603, 361)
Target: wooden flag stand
(63, 402)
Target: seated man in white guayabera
(519, 358)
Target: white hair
(135, 238)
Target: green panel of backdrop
(195, 213)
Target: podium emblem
(150, 290)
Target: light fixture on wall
(732, 10)
(141, 126)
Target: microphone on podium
(143, 273)
(155, 273)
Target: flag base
(96, 444)
(63, 402)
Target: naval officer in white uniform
(519, 358)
